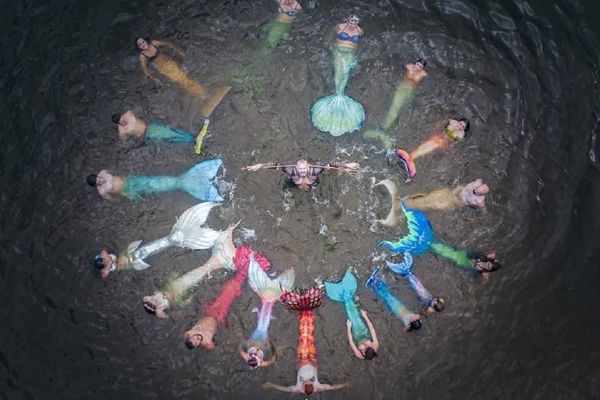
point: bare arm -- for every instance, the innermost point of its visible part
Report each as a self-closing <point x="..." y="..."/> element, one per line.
<point x="322" y="387"/>
<point x="351" y="341"/>
<point x="258" y="166"/>
<point x="269" y="385"/>
<point x="144" y="65"/>
<point x="371" y="329"/>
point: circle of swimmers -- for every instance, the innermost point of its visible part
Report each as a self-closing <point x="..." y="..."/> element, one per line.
<point x="335" y="114"/>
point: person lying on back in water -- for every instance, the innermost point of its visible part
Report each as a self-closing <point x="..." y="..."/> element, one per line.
<point x="303" y="174"/>
<point x="128" y="125"/>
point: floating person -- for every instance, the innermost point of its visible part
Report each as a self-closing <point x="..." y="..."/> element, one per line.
<point x="339" y="113"/>
<point x="254" y="349"/>
<point x="415" y="73"/>
<point x="307" y="380"/>
<point x="361" y="333"/>
<point x="199" y="182"/>
<point x="303" y="174"/>
<point x="149" y="54"/>
<point x="429" y="303"/>
<point x="130" y="126"/>
<point x="188" y="232"/>
<point x="215" y="315"/>
<point x="455" y="131"/>
<point x="410" y="320"/>
<point x="448" y="198"/>
<point x="177" y="292"/>
<point x="421" y="239"/>
<point x="279" y="29"/>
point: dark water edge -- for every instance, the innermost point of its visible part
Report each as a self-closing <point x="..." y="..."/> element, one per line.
<point x="531" y="334"/>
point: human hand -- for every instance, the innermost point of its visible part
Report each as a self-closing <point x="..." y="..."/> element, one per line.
<point x="254" y="167"/>
<point x="363" y="313"/>
<point x="352" y="165"/>
<point x="348" y="323"/>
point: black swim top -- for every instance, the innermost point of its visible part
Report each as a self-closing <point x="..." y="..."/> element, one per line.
<point x="345" y="36"/>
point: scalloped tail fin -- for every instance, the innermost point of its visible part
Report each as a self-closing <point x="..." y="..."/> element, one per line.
<point x="269" y="289"/>
<point x="198" y="181"/>
<point x="344" y="290"/>
<point x="407" y="162"/>
<point x="404" y="268"/>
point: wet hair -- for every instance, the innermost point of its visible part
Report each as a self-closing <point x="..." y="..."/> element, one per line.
<point x="147" y="39"/>
<point x="98" y="261"/>
<point x="438" y="304"/>
<point x="91" y="180"/>
<point x="189" y="344"/>
<point x="415" y="325"/>
<point x="309" y="388"/>
<point x="253" y="362"/>
<point x="422" y="61"/>
<point x="149" y="308"/>
<point x="467" y="124"/>
<point x="369" y="353"/>
<point x="116" y="118"/>
<point x="483" y="258"/>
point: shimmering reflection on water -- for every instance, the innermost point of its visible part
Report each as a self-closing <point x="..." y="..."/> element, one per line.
<point x="524" y="72"/>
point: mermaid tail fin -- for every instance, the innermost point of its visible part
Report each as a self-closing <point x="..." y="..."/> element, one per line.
<point x="198" y="180"/>
<point x="344" y="290"/>
<point x="374" y="278"/>
<point x="269" y="289"/>
<point x="387" y="141"/>
<point x="407" y="162"/>
<point x="188" y="231"/>
<point x="420" y="234"/>
<point x="392" y="219"/>
<point x="337" y="114"/>
<point x="138" y="264"/>
<point x="404" y="268"/>
<point x="303" y="300"/>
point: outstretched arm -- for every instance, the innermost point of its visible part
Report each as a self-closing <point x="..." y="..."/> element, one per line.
<point x="295" y="388"/>
<point x="258" y="166"/>
<point x="355" y="350"/>
<point x="371" y="328"/>
<point x="322" y="387"/>
<point x="144" y="65"/>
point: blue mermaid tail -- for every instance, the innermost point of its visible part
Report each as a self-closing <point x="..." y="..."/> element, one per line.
<point x="339" y="113"/>
<point x="420" y="234"/>
<point x="404" y="269"/>
<point x="344" y="292"/>
<point x="158" y="132"/>
<point x="198" y="182"/>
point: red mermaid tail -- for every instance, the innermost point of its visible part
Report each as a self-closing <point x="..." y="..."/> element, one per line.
<point x="232" y="289"/>
<point x="307" y="300"/>
<point x="407" y="162"/>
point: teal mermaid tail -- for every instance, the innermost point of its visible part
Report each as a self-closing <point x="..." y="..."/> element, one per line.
<point x="198" y="182"/>
<point x="339" y="113"/>
<point x="266" y="288"/>
<point x="158" y="132"/>
<point x="420" y="234"/>
<point x="344" y="292"/>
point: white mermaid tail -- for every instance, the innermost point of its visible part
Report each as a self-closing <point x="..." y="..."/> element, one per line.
<point x="187" y="232"/>
<point x="269" y="289"/>
<point x="394" y="217"/>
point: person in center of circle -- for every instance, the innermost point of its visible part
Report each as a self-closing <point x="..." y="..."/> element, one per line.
<point x="303" y="174"/>
<point x="130" y="126"/>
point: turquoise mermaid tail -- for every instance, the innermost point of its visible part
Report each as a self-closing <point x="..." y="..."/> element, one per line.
<point x="404" y="269"/>
<point x="158" y="132"/>
<point x="339" y="113"/>
<point x="344" y="292"/>
<point x="420" y="234"/>
<point x="410" y="320"/>
<point x="188" y="232"/>
<point x="198" y="182"/>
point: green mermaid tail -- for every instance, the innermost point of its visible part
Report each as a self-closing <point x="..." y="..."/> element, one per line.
<point x="158" y="132"/>
<point x="198" y="182"/>
<point x="344" y="291"/>
<point x="338" y="114"/>
<point x="277" y="31"/>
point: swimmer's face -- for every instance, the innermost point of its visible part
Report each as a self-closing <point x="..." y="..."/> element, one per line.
<point x="486" y="264"/>
<point x="353" y="20"/>
<point x="419" y="66"/>
<point x="302" y="168"/>
<point x="197" y="338"/>
<point x="457" y="125"/>
<point x="109" y="263"/>
<point x="141" y="43"/>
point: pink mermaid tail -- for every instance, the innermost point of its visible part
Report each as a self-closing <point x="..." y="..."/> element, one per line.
<point x="232" y="289"/>
<point x="407" y="162"/>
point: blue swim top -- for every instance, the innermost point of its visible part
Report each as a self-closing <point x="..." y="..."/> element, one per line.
<point x="345" y="36"/>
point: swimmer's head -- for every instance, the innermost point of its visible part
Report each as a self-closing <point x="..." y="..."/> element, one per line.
<point x="156" y="304"/>
<point x="99" y="261"/>
<point x="193" y="341"/>
<point x="483" y="263"/>
<point x="195" y="338"/>
<point x="91" y="180"/>
<point x="116" y="118"/>
<point x="255" y="357"/>
<point x="369" y="353"/>
<point x="414" y="325"/>
<point x="141" y="43"/>
<point x="302" y="167"/>
<point x="420" y="63"/>
<point x="309" y="388"/>
<point x="353" y="20"/>
<point x="105" y="262"/>
<point x="465" y="124"/>
<point x="437" y="303"/>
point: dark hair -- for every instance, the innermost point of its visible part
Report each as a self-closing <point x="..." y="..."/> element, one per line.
<point x="253" y="362"/>
<point x="309" y="388"/>
<point x="369" y="353"/>
<point x="483" y="258"/>
<point x="415" y="325"/>
<point x="438" y="304"/>
<point x="98" y="261"/>
<point x="467" y="124"/>
<point x="116" y="118"/>
<point x="422" y="61"/>
<point x="91" y="180"/>
<point x="147" y="39"/>
<point x="189" y="344"/>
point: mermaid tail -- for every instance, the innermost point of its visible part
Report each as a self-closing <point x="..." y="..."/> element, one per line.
<point x="392" y="219"/>
<point x="387" y="141"/>
<point x="404" y="269"/>
<point x="197" y="182"/>
<point x="277" y="31"/>
<point x="394" y="304"/>
<point x="158" y="132"/>
<point x="187" y="233"/>
<point x="402" y="94"/>
<point x="459" y="257"/>
<point x="339" y="113"/>
<point x="344" y="291"/>
<point x="407" y="162"/>
<point x="420" y="234"/>
<point x="232" y="289"/>
<point x="266" y="288"/>
<point x="169" y="68"/>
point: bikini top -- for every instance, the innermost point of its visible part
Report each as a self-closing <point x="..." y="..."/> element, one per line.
<point x="154" y="56"/>
<point x="292" y="13"/>
<point x="345" y="36"/>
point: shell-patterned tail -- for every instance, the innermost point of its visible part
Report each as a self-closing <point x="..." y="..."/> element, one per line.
<point x="269" y="289"/>
<point x="337" y="114"/>
<point x="303" y="300"/>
